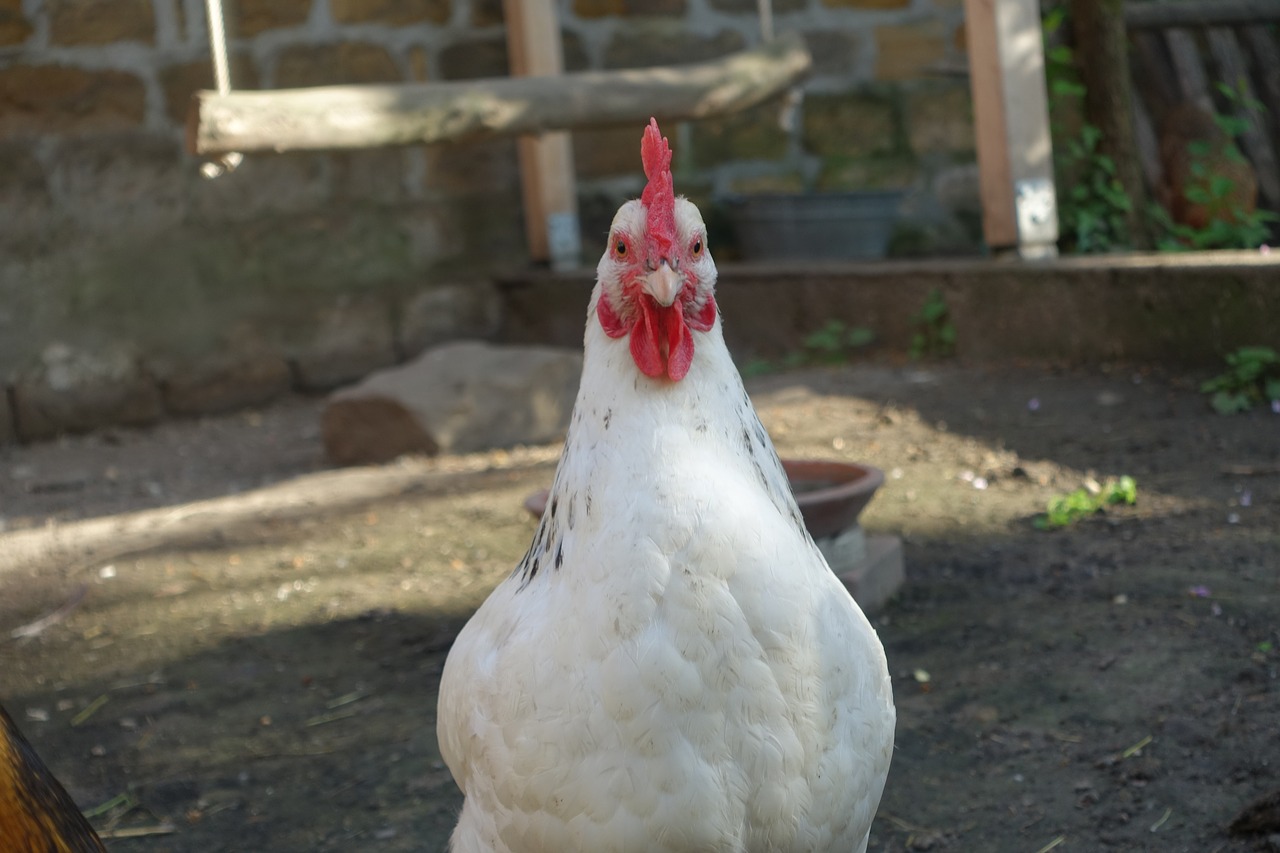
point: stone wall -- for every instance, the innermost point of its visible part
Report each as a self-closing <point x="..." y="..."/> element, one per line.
<point x="131" y="287"/>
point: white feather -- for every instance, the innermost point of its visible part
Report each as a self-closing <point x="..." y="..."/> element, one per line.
<point x="672" y="667"/>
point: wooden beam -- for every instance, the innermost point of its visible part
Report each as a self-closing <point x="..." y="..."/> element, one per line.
<point x="337" y="117"/>
<point x="1200" y="13"/>
<point x="999" y="227"/>
<point x="546" y="160"/>
<point x="1011" y="125"/>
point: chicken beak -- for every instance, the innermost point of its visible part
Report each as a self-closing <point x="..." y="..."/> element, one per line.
<point x="663" y="284"/>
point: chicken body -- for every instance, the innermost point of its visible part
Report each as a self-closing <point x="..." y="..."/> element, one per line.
<point x="672" y="666"/>
<point x="36" y="813"/>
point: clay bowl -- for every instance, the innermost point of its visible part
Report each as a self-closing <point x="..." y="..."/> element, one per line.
<point x="831" y="495"/>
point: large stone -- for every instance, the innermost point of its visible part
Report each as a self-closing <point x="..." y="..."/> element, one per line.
<point x="940" y="119"/>
<point x="835" y="51"/>
<point x="853" y="124"/>
<point x="908" y="51"/>
<point x="254" y="16"/>
<point x="76" y="390"/>
<point x="752" y="134"/>
<point x="51" y="99"/>
<point x="348" y="62"/>
<point x="246" y="374"/>
<point x="26" y="204"/>
<point x="474" y="58"/>
<point x="14" y="26"/>
<point x="131" y="182"/>
<point x="394" y="12"/>
<point x="627" y="8"/>
<point x="457" y="398"/>
<point x="668" y="43"/>
<point x="76" y="22"/>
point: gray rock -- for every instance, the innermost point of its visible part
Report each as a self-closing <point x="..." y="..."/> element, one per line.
<point x="73" y="390"/>
<point x="457" y="398"/>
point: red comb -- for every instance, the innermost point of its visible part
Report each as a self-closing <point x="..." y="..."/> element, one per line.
<point x="659" y="196"/>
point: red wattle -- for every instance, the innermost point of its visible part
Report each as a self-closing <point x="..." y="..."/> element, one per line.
<point x="645" y="349"/>
<point x="679" y="343"/>
<point x="609" y="319"/>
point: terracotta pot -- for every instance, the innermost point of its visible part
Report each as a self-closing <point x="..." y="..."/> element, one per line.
<point x="831" y="495"/>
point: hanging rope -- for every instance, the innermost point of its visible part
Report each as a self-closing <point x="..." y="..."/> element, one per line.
<point x="766" y="19"/>
<point x="222" y="80"/>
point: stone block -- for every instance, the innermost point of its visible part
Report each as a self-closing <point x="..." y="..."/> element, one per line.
<point x="124" y="182"/>
<point x="73" y="390"/>
<point x="469" y="168"/>
<point x="238" y="378"/>
<point x="834" y="51"/>
<point x="851" y="124"/>
<point x="78" y="22"/>
<point x="344" y="343"/>
<point x="14" y="26"/>
<point x="940" y="119"/>
<point x="606" y="152"/>
<point x="881" y="171"/>
<point x="752" y="7"/>
<point x="335" y="64"/>
<point x="876" y="575"/>
<point x="458" y="398"/>
<point x="394" y="12"/>
<point x="907" y="51"/>
<point x="662" y="43"/>
<point x="55" y="99"/>
<point x="474" y="58"/>
<point x="282" y="183"/>
<point x="448" y="312"/>
<point x="255" y="16"/>
<point x="26" y="205"/>
<point x="751" y="134"/>
<point x="628" y="8"/>
<point x="372" y="175"/>
<point x="183" y="80"/>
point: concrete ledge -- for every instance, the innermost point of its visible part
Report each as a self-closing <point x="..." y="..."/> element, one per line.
<point x="1174" y="309"/>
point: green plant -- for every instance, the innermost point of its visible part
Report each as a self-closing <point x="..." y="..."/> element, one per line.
<point x="1229" y="225"/>
<point x="1092" y="205"/>
<point x="1064" y="510"/>
<point x="834" y="343"/>
<point x="935" y="336"/>
<point x="1252" y="376"/>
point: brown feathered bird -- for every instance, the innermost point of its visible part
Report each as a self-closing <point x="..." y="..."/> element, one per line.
<point x="36" y="812"/>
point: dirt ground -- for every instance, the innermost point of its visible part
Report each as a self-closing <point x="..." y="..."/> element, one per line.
<point x="257" y="671"/>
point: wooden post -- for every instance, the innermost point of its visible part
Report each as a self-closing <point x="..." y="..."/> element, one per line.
<point x="546" y="161"/>
<point x="1011" y="120"/>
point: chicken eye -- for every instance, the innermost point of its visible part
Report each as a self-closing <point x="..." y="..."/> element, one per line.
<point x="696" y="248"/>
<point x="620" y="248"/>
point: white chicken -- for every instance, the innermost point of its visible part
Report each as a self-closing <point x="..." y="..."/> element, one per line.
<point x="671" y="666"/>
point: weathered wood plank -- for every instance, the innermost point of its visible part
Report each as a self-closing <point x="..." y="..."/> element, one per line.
<point x="546" y="160"/>
<point x="337" y="117"/>
<point x="1256" y="140"/>
<point x="999" y="225"/>
<point x="1200" y="13"/>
